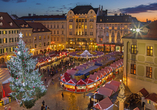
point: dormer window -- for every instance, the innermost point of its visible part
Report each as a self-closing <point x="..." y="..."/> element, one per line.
<point x="22" y="25"/>
<point x="11" y="23"/>
<point x="1" y="23"/>
<point x="34" y="29"/>
<point x="42" y="29"/>
<point x="26" y="25"/>
<point x="38" y="29"/>
<point x="1" y="17"/>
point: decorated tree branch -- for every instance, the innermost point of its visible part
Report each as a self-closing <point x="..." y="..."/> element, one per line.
<point x="25" y="79"/>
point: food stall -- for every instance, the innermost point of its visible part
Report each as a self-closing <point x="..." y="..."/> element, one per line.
<point x="71" y="85"/>
<point x="90" y="84"/>
<point x="81" y="86"/>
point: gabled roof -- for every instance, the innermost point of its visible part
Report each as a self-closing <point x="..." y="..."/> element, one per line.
<point x="81" y="82"/>
<point x="144" y="92"/>
<point x="7" y="22"/>
<point x="152" y="97"/>
<point x="117" y="83"/>
<point x="112" y="87"/>
<point x="105" y="91"/>
<point x="83" y="9"/>
<point x="103" y="104"/>
<point x="22" y="24"/>
<point x="38" y="27"/>
<point x="88" y="80"/>
<point x="72" y="81"/>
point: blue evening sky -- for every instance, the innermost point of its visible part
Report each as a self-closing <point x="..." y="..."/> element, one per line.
<point x="141" y="9"/>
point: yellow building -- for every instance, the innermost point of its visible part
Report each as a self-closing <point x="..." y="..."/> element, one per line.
<point x="9" y="37"/>
<point x="140" y="59"/>
<point x="56" y="24"/>
<point x="81" y="28"/>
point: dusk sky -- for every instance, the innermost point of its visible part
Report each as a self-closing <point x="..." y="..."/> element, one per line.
<point x="141" y="9"/>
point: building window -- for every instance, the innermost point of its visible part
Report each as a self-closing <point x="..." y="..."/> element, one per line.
<point x="85" y="20"/>
<point x="35" y="45"/>
<point x="85" y="33"/>
<point x="44" y="37"/>
<point x="54" y="38"/>
<point x="91" y="20"/>
<point x="133" y="69"/>
<point x="70" y="27"/>
<point x="17" y="39"/>
<point x="48" y="37"/>
<point x="29" y="34"/>
<point x="35" y="38"/>
<point x="62" y="39"/>
<point x="91" y="26"/>
<point x="70" y="20"/>
<point x="85" y="26"/>
<point x="133" y="49"/>
<point x="39" y="44"/>
<point x="62" y="26"/>
<point x="10" y="40"/>
<point x="70" y="33"/>
<point x="100" y="20"/>
<point x="91" y="33"/>
<point x="54" y="32"/>
<point x="62" y="32"/>
<point x="57" y="38"/>
<point x="39" y="37"/>
<point x="0" y="41"/>
<point x="57" y="26"/>
<point x="57" y="32"/>
<point x="149" y="72"/>
<point x="149" y="51"/>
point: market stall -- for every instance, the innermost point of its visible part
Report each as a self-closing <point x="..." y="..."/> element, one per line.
<point x="90" y="84"/>
<point x="71" y="85"/>
<point x="106" y="92"/>
<point x="81" y="86"/>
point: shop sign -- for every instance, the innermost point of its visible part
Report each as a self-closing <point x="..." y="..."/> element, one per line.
<point x="100" y="44"/>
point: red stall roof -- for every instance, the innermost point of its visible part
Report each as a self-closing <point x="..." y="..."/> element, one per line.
<point x="88" y="81"/>
<point x="144" y="92"/>
<point x="65" y="79"/>
<point x="81" y="82"/>
<point x="103" y="104"/>
<point x="152" y="97"/>
<point x="112" y="87"/>
<point x="117" y="83"/>
<point x="105" y="91"/>
<point x="72" y="81"/>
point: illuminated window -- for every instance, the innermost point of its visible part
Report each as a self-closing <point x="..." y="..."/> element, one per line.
<point x="35" y="38"/>
<point x="133" y="69"/>
<point x="39" y="37"/>
<point x="70" y="27"/>
<point x="91" y="26"/>
<point x="149" y="72"/>
<point x="26" y="34"/>
<point x="29" y="34"/>
<point x="39" y="44"/>
<point x="149" y="51"/>
<point x="44" y="37"/>
<point x="85" y="26"/>
<point x="100" y="20"/>
<point x="4" y="40"/>
<point x="35" y="46"/>
<point x="133" y="49"/>
<point x="148" y="101"/>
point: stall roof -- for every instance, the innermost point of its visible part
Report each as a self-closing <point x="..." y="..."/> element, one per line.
<point x="81" y="82"/>
<point x="105" y="91"/>
<point x="152" y="97"/>
<point x="88" y="80"/>
<point x="88" y="70"/>
<point x="144" y="92"/>
<point x="94" y="77"/>
<point x="97" y="96"/>
<point x="112" y="87"/>
<point x="117" y="83"/>
<point x="72" y="81"/>
<point x="103" y="104"/>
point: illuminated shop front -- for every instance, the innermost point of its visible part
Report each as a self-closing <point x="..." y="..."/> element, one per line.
<point x="110" y="47"/>
<point x="100" y="47"/>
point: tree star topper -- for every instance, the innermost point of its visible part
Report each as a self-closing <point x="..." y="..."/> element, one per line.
<point x="20" y="35"/>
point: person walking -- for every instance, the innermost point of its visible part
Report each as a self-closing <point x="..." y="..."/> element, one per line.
<point x="62" y="96"/>
<point x="45" y="79"/>
<point x="46" y="107"/>
<point x="43" y="102"/>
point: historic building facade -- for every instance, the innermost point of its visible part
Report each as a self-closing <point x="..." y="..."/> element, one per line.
<point x="140" y="59"/>
<point x="110" y="30"/>
<point x="57" y="24"/>
<point x="81" y="28"/>
<point x="9" y="37"/>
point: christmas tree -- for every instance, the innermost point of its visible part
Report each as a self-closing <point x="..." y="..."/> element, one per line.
<point x="25" y="79"/>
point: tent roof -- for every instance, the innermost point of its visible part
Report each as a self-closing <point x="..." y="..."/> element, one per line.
<point x="86" y="53"/>
<point x="105" y="91"/>
<point x="88" y="80"/>
<point x="4" y="75"/>
<point x="144" y="92"/>
<point x="152" y="97"/>
<point x="72" y="81"/>
<point x="117" y="83"/>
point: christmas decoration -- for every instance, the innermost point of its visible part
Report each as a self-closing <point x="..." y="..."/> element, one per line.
<point x="25" y="78"/>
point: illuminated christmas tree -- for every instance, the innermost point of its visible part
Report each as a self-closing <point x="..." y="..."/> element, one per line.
<point x="26" y="84"/>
